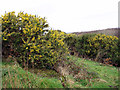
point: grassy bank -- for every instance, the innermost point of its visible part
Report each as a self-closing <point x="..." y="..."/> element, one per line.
<point x="98" y="76"/>
<point x="107" y="75"/>
<point x="14" y="76"/>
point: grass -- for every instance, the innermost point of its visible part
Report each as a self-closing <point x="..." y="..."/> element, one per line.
<point x="96" y="75"/>
<point x="108" y="75"/>
<point x="45" y="73"/>
<point x="16" y="77"/>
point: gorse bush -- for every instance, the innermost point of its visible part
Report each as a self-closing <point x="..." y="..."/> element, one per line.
<point x="24" y="37"/>
<point x="70" y="39"/>
<point x="82" y="44"/>
<point x="95" y="46"/>
<point x="103" y="46"/>
<point x="78" y="42"/>
<point x="17" y="28"/>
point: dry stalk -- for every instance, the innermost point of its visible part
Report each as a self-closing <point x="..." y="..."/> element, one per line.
<point x="5" y="85"/>
<point x="21" y="84"/>
<point x="15" y="80"/>
<point x="10" y="78"/>
<point x="24" y="80"/>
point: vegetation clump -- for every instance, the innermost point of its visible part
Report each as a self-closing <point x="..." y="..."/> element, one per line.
<point x="99" y="47"/>
<point x="24" y="37"/>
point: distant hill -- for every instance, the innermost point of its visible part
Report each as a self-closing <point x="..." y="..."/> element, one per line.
<point x="109" y="31"/>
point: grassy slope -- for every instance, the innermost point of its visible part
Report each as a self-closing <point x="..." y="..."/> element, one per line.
<point x="108" y="74"/>
<point x="15" y="76"/>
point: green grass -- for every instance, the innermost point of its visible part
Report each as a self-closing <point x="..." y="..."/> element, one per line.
<point x="14" y="76"/>
<point x="45" y="73"/>
<point x="100" y="76"/>
<point x="108" y="75"/>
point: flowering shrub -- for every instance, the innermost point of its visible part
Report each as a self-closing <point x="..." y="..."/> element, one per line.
<point x="78" y="42"/>
<point x="82" y="45"/>
<point x="70" y="39"/>
<point x="24" y="34"/>
<point x="103" y="46"/>
<point x="96" y="46"/>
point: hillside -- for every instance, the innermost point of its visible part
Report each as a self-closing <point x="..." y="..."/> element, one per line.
<point x="109" y="31"/>
<point x="79" y="73"/>
<point x="34" y="57"/>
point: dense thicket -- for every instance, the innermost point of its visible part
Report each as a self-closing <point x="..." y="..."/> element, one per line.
<point x="26" y="37"/>
<point x="100" y="47"/>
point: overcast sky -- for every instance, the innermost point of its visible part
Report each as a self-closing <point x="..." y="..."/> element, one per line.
<point x="69" y="15"/>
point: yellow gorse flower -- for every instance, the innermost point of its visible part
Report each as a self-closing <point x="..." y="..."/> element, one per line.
<point x="26" y="47"/>
<point x="40" y="56"/>
<point x="4" y="38"/>
<point x="33" y="38"/>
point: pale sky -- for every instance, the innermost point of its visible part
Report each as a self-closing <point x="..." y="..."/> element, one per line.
<point x="69" y="15"/>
